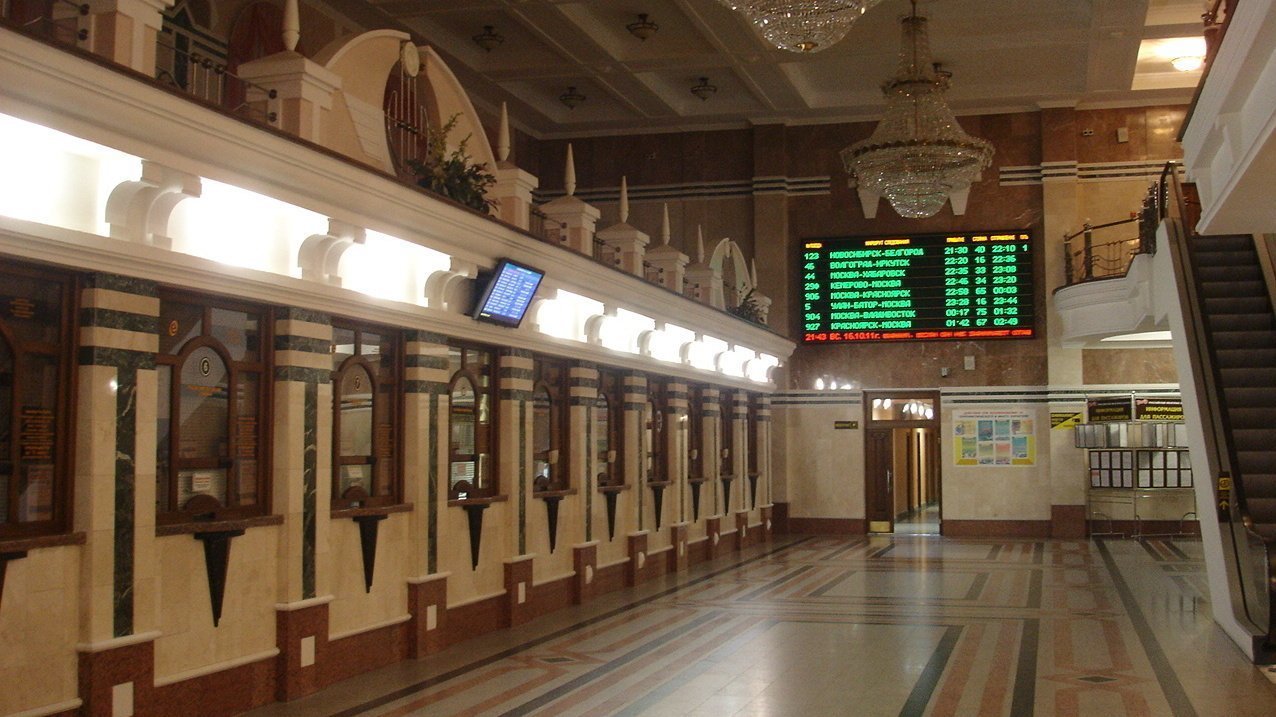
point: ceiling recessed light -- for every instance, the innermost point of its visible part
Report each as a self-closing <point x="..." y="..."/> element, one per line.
<point x="1188" y="63"/>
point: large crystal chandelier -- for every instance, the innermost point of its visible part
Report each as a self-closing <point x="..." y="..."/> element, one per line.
<point x="918" y="155"/>
<point x="801" y="25"/>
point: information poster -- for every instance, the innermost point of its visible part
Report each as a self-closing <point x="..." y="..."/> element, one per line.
<point x="899" y="288"/>
<point x="1108" y="410"/>
<point x="1158" y="409"/>
<point x="994" y="438"/>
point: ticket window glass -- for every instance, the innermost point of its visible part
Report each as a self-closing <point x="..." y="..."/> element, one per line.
<point x="606" y="419"/>
<point x="35" y="349"/>
<point x="549" y="427"/>
<point x="211" y="372"/>
<point x="472" y="424"/>
<point x="367" y="368"/>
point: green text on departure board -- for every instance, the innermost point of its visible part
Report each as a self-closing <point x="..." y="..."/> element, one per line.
<point x="938" y="286"/>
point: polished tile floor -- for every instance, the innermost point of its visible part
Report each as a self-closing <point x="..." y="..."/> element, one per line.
<point x="887" y="626"/>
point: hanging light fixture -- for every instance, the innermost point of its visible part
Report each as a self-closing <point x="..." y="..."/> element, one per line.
<point x="489" y="38"/>
<point x="571" y="98"/>
<point x="918" y="156"/>
<point x="703" y="90"/>
<point x="642" y="29"/>
<point x="801" y="25"/>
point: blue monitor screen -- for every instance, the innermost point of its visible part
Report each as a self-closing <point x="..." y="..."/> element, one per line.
<point x="508" y="294"/>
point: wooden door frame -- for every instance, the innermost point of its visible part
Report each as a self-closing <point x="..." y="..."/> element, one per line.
<point x="933" y="424"/>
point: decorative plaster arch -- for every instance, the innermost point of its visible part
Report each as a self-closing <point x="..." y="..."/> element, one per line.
<point x="728" y="251"/>
<point x="450" y="99"/>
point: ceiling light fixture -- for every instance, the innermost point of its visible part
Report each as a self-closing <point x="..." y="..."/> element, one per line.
<point x="489" y="39"/>
<point x="1188" y="63"/>
<point x="642" y="29"/>
<point x="801" y="25"/>
<point x="571" y="98"/>
<point x="918" y="155"/>
<point x="704" y="90"/>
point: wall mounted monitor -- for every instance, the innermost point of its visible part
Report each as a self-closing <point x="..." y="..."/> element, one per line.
<point x="508" y="293"/>
<point x="958" y="286"/>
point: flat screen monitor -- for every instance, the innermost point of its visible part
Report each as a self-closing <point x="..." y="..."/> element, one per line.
<point x="958" y="286"/>
<point x="508" y="293"/>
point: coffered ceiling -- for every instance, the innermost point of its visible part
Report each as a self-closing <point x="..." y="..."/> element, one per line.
<point x="1005" y="55"/>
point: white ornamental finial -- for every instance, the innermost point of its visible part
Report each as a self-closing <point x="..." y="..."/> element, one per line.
<point x="664" y="227"/>
<point x="753" y="273"/>
<point x="503" y="136"/>
<point x="569" y="174"/>
<point x="292" y="25"/>
<point x="624" y="200"/>
<point x="699" y="244"/>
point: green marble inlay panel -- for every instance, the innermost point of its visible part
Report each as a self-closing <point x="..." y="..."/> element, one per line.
<point x="425" y="361"/>
<point x="115" y="358"/>
<point x="124" y="320"/>
<point x="310" y="486"/>
<point x="123" y="284"/>
<point x="301" y="374"/>
<point x="432" y="489"/>
<point x="306" y="315"/>
<point x="304" y="344"/>
<point x="522" y="476"/>
<point x="125" y="495"/>
<point x="514" y="394"/>
<point x="425" y="337"/>
<point x="512" y="372"/>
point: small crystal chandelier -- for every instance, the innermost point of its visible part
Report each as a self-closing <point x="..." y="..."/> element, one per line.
<point x="918" y="156"/>
<point x="801" y="25"/>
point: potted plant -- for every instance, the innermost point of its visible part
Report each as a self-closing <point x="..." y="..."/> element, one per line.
<point x="453" y="175"/>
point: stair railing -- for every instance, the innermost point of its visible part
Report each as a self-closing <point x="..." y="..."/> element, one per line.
<point x="1253" y="567"/>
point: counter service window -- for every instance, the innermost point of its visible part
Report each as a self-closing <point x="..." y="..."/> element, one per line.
<point x="606" y="418"/>
<point x="472" y="430"/>
<point x="549" y="427"/>
<point x="367" y="370"/>
<point x="695" y="432"/>
<point x="212" y="413"/>
<point x="654" y="425"/>
<point x="35" y="346"/>
<point x="726" y="434"/>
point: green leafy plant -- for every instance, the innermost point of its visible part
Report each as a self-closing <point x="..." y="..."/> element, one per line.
<point x="454" y="175"/>
<point x="748" y="309"/>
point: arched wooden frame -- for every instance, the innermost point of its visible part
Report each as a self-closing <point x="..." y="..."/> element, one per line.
<point x="610" y="400"/>
<point x="246" y="437"/>
<point x="485" y="482"/>
<point x="54" y="430"/>
<point x="551" y="470"/>
<point x="383" y="457"/>
<point x="655" y="424"/>
<point x="726" y="433"/>
<point x="695" y="432"/>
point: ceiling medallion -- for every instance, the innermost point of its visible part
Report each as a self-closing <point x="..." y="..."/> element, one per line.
<point x="571" y="98"/>
<point x="489" y="39"/>
<point x="642" y="29"/>
<point x="704" y="90"/>
<point x="918" y="155"/>
<point x="801" y="25"/>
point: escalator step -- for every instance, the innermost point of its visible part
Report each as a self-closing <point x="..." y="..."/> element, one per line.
<point x="1245" y="358"/>
<point x="1243" y="340"/>
<point x="1241" y="322"/>
<point x="1248" y="377"/>
<point x="1223" y="257"/>
<point x="1260" y="486"/>
<point x="1230" y="273"/>
<point x="1254" y="463"/>
<point x="1249" y="397"/>
<point x="1254" y="439"/>
<point x="1237" y="305"/>
<point x="1241" y="288"/>
<point x="1222" y="242"/>
<point x="1251" y="417"/>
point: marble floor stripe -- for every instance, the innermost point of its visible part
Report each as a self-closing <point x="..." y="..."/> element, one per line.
<point x="884" y="626"/>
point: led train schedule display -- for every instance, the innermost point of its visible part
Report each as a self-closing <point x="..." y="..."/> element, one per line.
<point x="939" y="286"/>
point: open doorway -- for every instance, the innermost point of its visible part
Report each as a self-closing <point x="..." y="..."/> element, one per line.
<point x="902" y="478"/>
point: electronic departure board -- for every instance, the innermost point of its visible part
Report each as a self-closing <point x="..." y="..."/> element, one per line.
<point x="508" y="294"/>
<point x="936" y="286"/>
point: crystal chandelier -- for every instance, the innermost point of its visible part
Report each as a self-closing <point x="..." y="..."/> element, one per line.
<point x="918" y="156"/>
<point x="801" y="25"/>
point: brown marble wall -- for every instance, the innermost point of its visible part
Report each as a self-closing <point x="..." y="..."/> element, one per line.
<point x="1152" y="133"/>
<point x="1124" y="366"/>
<point x="674" y="158"/>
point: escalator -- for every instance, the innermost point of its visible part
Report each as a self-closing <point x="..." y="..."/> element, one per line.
<point x="1230" y="331"/>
